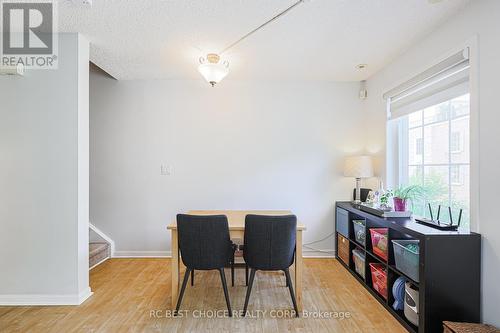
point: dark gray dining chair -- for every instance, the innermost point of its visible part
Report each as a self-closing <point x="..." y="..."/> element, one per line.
<point x="204" y="244"/>
<point x="270" y="246"/>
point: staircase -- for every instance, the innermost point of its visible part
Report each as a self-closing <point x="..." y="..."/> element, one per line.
<point x="101" y="247"/>
<point x="98" y="253"/>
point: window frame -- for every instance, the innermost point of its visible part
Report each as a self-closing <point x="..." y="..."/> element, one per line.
<point x="459" y="181"/>
<point x="459" y="147"/>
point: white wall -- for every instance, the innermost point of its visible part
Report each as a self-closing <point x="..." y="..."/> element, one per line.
<point x="259" y="145"/>
<point x="83" y="166"/>
<point x="481" y="19"/>
<point x="43" y="187"/>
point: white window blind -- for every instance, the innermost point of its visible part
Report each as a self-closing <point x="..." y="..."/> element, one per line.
<point x="443" y="81"/>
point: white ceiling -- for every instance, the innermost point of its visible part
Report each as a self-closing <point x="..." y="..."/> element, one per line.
<point x="319" y="40"/>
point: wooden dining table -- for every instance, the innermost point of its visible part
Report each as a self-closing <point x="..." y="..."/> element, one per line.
<point x="236" y="222"/>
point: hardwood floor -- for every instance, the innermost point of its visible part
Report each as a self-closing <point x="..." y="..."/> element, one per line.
<point x="132" y="295"/>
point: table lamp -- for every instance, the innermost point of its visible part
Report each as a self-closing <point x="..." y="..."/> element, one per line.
<point x="358" y="167"/>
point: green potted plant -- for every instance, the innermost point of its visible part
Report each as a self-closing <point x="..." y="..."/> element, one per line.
<point x="404" y="194"/>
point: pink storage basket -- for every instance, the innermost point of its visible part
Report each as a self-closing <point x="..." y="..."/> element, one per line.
<point x="379" y="278"/>
<point x="380" y="241"/>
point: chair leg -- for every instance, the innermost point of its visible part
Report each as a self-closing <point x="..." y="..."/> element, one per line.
<point x="232" y="271"/>
<point x="246" y="275"/>
<point x="249" y="290"/>
<point x="192" y="278"/>
<point x="184" y="282"/>
<point x="226" y="293"/>
<point x="292" y="294"/>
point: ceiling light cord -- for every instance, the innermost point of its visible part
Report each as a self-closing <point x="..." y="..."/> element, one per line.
<point x="263" y="25"/>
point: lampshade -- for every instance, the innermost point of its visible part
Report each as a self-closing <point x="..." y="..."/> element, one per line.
<point x="358" y="167"/>
<point x="212" y="69"/>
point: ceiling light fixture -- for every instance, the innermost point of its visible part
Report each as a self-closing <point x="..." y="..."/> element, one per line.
<point x="211" y="67"/>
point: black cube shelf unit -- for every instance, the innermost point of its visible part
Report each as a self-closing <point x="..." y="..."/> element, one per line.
<point x="449" y="267"/>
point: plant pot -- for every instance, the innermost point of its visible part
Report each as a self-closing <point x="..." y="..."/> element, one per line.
<point x="399" y="205"/>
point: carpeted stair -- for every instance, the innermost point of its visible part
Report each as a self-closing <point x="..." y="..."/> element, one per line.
<point x="98" y="252"/>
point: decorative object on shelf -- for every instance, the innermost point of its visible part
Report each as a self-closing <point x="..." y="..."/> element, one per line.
<point x="402" y="195"/>
<point x="398" y="291"/>
<point x="411" y="303"/>
<point x="438" y="224"/>
<point x="380" y="196"/>
<point x="383" y="211"/>
<point x="213" y="69"/>
<point x="364" y="194"/>
<point x="371" y="197"/>
<point x="358" y="167"/>
<point x="399" y="204"/>
<point x="384" y="200"/>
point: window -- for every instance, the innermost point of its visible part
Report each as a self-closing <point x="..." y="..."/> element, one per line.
<point x="419" y="146"/>
<point x="435" y="156"/>
<point x="455" y="142"/>
<point x="455" y="175"/>
<point x="428" y="136"/>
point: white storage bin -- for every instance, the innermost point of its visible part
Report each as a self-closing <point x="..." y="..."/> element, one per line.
<point x="411" y="303"/>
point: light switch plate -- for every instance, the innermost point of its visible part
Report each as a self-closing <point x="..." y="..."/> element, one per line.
<point x="165" y="170"/>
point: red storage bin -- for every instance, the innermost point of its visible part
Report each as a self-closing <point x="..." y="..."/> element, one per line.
<point x="379" y="278"/>
<point x="379" y="241"/>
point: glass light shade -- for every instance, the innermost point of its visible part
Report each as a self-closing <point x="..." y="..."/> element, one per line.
<point x="358" y="167"/>
<point x="213" y="73"/>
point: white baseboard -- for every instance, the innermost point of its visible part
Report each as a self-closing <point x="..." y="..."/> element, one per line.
<point x="84" y="295"/>
<point x="326" y="253"/>
<point x="323" y="253"/>
<point x="319" y="256"/>
<point x="100" y="262"/>
<point x="142" y="254"/>
<point x="18" y="300"/>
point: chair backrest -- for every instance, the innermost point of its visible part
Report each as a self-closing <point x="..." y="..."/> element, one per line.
<point x="204" y="241"/>
<point x="270" y="241"/>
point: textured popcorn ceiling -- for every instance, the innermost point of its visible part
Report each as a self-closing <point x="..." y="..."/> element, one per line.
<point x="319" y="40"/>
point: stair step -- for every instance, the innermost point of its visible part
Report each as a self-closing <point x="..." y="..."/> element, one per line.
<point x="98" y="251"/>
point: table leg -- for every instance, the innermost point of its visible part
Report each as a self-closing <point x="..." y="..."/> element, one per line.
<point x="175" y="268"/>
<point x="298" y="269"/>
